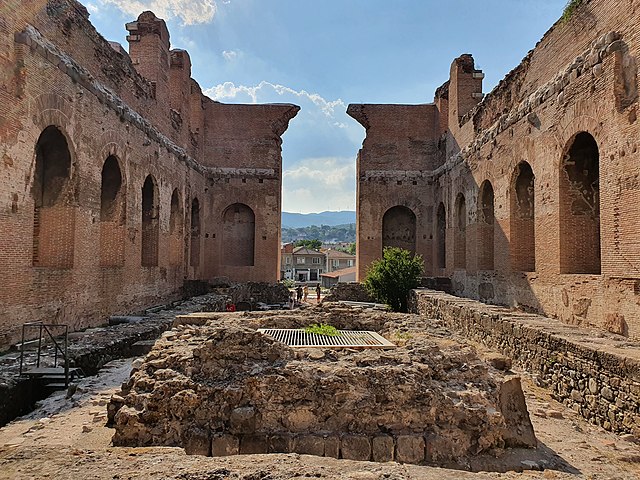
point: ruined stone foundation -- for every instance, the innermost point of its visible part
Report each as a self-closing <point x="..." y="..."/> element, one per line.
<point x="222" y="388"/>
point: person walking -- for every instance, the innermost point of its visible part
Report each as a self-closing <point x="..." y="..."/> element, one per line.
<point x="318" y="293"/>
<point x="299" y="293"/>
<point x="305" y="293"/>
<point x="292" y="300"/>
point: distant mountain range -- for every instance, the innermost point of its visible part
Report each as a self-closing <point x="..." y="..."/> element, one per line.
<point x="298" y="220"/>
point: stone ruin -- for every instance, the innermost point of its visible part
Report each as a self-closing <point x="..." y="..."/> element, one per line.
<point x="216" y="386"/>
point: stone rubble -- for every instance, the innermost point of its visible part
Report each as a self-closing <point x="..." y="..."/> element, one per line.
<point x="218" y="387"/>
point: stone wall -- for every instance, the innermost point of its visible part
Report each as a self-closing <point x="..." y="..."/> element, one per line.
<point x="351" y="291"/>
<point x="260" y="292"/>
<point x="104" y="155"/>
<point x="595" y="373"/>
<point x="216" y="386"/>
<point x="536" y="183"/>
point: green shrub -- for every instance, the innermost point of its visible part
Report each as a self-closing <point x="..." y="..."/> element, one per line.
<point x="322" y="329"/>
<point x="390" y="279"/>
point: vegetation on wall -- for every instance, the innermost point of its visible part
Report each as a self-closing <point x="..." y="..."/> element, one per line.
<point x="570" y="9"/>
<point x="390" y="279"/>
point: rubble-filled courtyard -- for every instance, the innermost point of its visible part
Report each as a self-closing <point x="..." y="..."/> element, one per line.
<point x="215" y="385"/>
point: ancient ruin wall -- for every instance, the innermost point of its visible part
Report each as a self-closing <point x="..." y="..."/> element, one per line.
<point x="98" y="184"/>
<point x="221" y="388"/>
<point x="549" y="155"/>
<point x="394" y="132"/>
<point x="596" y="374"/>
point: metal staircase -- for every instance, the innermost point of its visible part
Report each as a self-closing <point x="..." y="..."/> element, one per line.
<point x="52" y="377"/>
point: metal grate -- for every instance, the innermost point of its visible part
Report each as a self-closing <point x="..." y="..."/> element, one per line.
<point x="296" y="337"/>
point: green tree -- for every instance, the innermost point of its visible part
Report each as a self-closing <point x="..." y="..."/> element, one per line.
<point x="312" y="244"/>
<point x="351" y="249"/>
<point x="390" y="279"/>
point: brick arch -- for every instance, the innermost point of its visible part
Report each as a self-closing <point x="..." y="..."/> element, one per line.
<point x="522" y="218"/>
<point x="485" y="226"/>
<point x="53" y="196"/>
<point x="51" y="109"/>
<point x="196" y="220"/>
<point x="176" y="228"/>
<point x="112" y="213"/>
<point x="399" y="228"/>
<point x="238" y="235"/>
<point x="568" y="128"/>
<point x="579" y="205"/>
<point x="441" y="236"/>
<point x="150" y="222"/>
<point x="460" y="232"/>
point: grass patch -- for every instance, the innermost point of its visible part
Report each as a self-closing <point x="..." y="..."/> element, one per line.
<point x="322" y="329"/>
<point x="570" y="9"/>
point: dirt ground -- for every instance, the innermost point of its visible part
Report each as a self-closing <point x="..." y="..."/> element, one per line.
<point x="67" y="439"/>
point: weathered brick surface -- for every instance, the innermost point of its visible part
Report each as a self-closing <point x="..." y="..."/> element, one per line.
<point x="533" y="216"/>
<point x="71" y="229"/>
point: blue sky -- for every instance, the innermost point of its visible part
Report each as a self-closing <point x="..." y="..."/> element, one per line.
<point x="325" y="54"/>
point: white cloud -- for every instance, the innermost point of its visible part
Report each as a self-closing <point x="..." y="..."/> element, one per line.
<point x="230" y="55"/>
<point x="229" y="91"/>
<point x="92" y="8"/>
<point x="191" y="12"/>
<point x="316" y="184"/>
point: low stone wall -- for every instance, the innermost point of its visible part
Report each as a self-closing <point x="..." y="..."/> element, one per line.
<point x="259" y="292"/>
<point x="352" y="291"/>
<point x="595" y="373"/>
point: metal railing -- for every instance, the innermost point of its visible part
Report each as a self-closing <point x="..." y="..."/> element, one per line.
<point x="45" y="328"/>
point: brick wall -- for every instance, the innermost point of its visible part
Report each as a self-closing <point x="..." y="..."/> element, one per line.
<point x="563" y="236"/>
<point x="76" y="255"/>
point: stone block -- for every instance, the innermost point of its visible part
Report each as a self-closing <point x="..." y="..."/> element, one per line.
<point x="382" y="448"/>
<point x="243" y="420"/>
<point x="355" y="447"/>
<point x="197" y="442"/>
<point x="309" y="445"/>
<point x="332" y="446"/>
<point x="518" y="431"/>
<point x="253" y="444"/>
<point x="410" y="449"/>
<point x="280" y="444"/>
<point x="225" y="445"/>
<point x="498" y="361"/>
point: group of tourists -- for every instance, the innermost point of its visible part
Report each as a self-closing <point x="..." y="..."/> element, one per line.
<point x="300" y="295"/>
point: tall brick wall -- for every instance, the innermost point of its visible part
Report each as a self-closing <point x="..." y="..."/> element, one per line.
<point x="564" y="234"/>
<point x="74" y="253"/>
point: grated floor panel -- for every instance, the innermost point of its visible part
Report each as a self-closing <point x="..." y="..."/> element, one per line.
<point x="297" y="337"/>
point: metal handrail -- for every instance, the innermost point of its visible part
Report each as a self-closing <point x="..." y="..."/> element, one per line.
<point x="57" y="348"/>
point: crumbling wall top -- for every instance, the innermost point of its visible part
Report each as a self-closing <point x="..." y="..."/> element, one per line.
<point x="148" y="24"/>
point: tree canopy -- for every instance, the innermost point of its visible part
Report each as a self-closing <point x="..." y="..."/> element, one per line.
<point x="390" y="278"/>
<point x="314" y="244"/>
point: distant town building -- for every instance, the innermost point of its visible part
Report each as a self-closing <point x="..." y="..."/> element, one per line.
<point x="338" y="260"/>
<point x="286" y="262"/>
<point x="302" y="264"/>
<point x="345" y="275"/>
